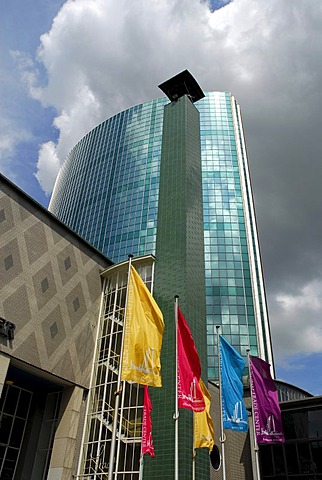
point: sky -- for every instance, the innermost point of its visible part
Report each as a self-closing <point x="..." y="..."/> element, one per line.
<point x="67" y="66"/>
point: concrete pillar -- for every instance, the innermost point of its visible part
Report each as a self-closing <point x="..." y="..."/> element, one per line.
<point x="64" y="447"/>
<point x="179" y="270"/>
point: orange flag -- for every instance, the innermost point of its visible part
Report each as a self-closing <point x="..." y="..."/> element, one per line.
<point x="203" y="424"/>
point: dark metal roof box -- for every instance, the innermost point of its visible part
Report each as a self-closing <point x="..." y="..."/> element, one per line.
<point x="182" y="84"/>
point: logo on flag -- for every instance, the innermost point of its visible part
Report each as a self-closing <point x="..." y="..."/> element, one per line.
<point x="143" y="335"/>
<point x="232" y="366"/>
<point x="267" y="413"/>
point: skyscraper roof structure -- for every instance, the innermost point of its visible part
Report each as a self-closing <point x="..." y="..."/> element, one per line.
<point x="182" y="84"/>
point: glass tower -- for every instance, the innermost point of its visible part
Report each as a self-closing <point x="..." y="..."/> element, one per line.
<point x="107" y="191"/>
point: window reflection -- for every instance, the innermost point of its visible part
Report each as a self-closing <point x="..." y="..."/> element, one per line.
<point x="301" y="456"/>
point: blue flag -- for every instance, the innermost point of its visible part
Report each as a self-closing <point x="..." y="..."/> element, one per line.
<point x="232" y="367"/>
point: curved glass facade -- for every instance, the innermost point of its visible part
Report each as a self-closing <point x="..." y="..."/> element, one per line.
<point x="107" y="191"/>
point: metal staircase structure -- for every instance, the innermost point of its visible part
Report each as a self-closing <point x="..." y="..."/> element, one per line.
<point x="100" y="414"/>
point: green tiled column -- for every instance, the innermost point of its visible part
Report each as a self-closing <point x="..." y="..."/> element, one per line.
<point x="179" y="271"/>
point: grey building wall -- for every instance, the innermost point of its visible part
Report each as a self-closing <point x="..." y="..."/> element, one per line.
<point x="50" y="288"/>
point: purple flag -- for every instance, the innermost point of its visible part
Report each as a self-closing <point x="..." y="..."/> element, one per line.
<point x="267" y="413"/>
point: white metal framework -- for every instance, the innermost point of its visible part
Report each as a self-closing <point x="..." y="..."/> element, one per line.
<point x="96" y="446"/>
<point x="14" y="414"/>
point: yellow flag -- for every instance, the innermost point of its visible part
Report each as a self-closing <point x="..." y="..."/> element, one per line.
<point x="203" y="424"/>
<point x="143" y="335"/>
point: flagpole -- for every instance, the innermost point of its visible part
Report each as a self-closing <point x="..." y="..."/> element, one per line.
<point x="194" y="453"/>
<point x="141" y="467"/>
<point x="118" y="387"/>
<point x="222" y="438"/>
<point x="256" y="448"/>
<point x="176" y="409"/>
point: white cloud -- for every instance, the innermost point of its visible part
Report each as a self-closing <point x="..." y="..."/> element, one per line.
<point x="10" y="136"/>
<point x="48" y="166"/>
<point x="296" y="321"/>
<point x="102" y="56"/>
